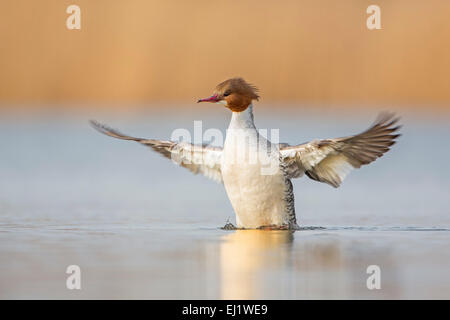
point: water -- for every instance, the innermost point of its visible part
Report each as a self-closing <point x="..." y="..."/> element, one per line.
<point x="139" y="227"/>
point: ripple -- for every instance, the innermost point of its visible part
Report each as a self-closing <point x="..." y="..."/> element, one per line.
<point x="378" y="229"/>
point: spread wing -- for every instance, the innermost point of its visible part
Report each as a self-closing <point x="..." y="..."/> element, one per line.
<point x="331" y="160"/>
<point x="196" y="158"/>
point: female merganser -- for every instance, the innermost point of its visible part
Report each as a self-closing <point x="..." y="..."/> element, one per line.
<point x="260" y="192"/>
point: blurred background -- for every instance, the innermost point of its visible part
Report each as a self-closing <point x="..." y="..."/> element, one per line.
<point x="143" y="51"/>
<point x="140" y="227"/>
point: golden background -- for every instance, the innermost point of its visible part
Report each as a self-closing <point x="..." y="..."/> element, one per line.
<point x="143" y="51"/>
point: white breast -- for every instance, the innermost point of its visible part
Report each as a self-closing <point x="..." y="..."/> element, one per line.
<point x="251" y="174"/>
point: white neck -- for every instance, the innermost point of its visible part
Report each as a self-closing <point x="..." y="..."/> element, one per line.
<point x="244" y="119"/>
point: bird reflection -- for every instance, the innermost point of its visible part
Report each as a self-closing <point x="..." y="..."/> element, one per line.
<point x="256" y="264"/>
<point x="247" y="258"/>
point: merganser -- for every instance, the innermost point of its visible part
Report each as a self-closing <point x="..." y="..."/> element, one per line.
<point x="265" y="200"/>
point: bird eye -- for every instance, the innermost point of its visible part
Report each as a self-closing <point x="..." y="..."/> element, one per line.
<point x="227" y="93"/>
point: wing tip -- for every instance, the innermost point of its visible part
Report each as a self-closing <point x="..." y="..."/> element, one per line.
<point x="386" y="119"/>
<point x="95" y="124"/>
<point x="102" y="128"/>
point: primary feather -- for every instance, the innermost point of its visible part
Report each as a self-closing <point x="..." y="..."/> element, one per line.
<point x="196" y="158"/>
<point x="330" y="160"/>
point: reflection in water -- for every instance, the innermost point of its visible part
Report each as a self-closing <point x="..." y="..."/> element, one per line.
<point x="257" y="264"/>
<point x="247" y="258"/>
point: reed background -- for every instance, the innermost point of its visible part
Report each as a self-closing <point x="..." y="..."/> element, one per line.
<point x="145" y="51"/>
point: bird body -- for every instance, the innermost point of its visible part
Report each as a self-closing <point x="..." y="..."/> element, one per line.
<point x="257" y="173"/>
<point x="255" y="187"/>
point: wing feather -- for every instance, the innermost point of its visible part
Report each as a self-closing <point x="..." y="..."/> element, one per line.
<point x="196" y="158"/>
<point x="331" y="160"/>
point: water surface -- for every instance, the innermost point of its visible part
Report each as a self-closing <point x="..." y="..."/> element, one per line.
<point x="139" y="227"/>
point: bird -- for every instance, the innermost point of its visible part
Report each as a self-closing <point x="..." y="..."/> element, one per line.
<point x="257" y="173"/>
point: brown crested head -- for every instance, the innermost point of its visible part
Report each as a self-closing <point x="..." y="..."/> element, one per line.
<point x="235" y="93"/>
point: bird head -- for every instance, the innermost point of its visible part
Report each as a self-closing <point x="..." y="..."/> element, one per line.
<point x="235" y="93"/>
